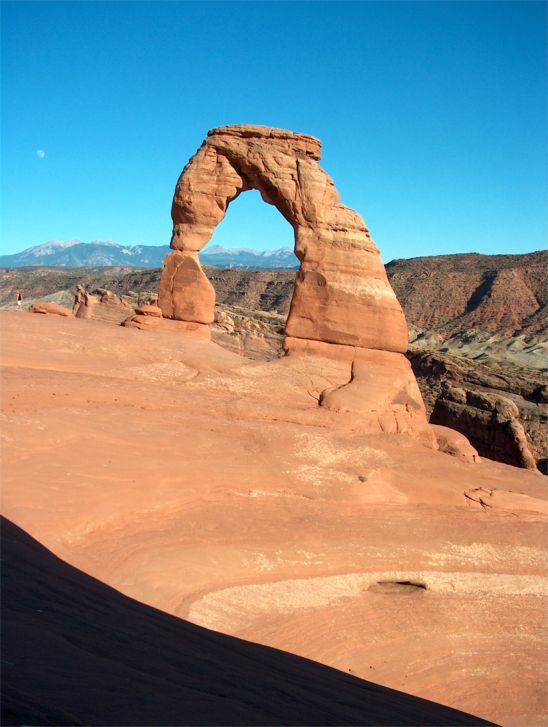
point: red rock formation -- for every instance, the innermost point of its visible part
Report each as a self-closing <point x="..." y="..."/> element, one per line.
<point x="454" y="294"/>
<point x="187" y="328"/>
<point x="514" y="502"/>
<point x="185" y="292"/>
<point x="149" y="310"/>
<point x="454" y="443"/>
<point x="342" y="294"/>
<point x="342" y="306"/>
<point x="49" y="308"/>
<point x="149" y="317"/>
<point x="489" y="432"/>
<point x="490" y="420"/>
<point x="105" y="306"/>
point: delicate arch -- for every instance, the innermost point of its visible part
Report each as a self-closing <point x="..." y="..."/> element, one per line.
<point x="342" y="294"/>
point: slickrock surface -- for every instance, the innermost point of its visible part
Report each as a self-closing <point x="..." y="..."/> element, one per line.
<point x="217" y="490"/>
<point x="118" y="662"/>
<point x="474" y="360"/>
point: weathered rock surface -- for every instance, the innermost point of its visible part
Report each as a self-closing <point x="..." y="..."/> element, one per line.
<point x="103" y="305"/>
<point x="267" y="290"/>
<point x="384" y="391"/>
<point x="153" y="669"/>
<point x="185" y="292"/>
<point x="471" y="359"/>
<point x="254" y="334"/>
<point x="153" y="322"/>
<point x="49" y="309"/>
<point x="342" y="295"/>
<point x="514" y="502"/>
<point x="458" y="293"/>
<point x="454" y="443"/>
<point x="491" y="423"/>
<point x="149" y="310"/>
<point x="497" y="434"/>
<point x="216" y="489"/>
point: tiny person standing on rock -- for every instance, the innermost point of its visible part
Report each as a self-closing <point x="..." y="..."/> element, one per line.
<point x="19" y="299"/>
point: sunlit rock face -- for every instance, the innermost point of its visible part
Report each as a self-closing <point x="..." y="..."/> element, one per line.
<point x="342" y="294"/>
<point x="343" y="306"/>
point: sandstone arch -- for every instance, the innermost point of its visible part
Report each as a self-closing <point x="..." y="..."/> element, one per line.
<point x="342" y="295"/>
<point x="342" y="307"/>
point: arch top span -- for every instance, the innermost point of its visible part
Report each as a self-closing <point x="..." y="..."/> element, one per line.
<point x="300" y="143"/>
<point x="342" y="295"/>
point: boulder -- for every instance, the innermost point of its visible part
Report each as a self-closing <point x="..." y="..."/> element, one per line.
<point x="454" y="443"/>
<point x="149" y="310"/>
<point x="185" y="292"/>
<point x="50" y="309"/>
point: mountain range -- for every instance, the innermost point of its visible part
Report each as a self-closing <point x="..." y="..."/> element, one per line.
<point x="99" y="253"/>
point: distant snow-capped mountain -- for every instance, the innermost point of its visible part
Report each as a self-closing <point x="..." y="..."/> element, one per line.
<point x="75" y="254"/>
<point x="52" y="247"/>
<point x="246" y="257"/>
<point x="103" y="253"/>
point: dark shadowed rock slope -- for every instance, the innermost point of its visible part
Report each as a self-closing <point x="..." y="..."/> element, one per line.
<point x="75" y="652"/>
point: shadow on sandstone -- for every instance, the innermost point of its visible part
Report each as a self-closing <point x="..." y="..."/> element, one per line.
<point x="77" y="652"/>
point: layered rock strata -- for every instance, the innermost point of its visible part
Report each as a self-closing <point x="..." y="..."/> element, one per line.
<point x="149" y="317"/>
<point x="47" y="308"/>
<point x="103" y="305"/>
<point x="342" y="295"/>
<point x="495" y="405"/>
<point x="490" y="421"/>
<point x="342" y="305"/>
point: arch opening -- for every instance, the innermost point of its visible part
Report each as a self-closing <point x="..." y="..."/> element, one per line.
<point x="250" y="262"/>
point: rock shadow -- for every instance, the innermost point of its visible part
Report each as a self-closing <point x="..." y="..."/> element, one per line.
<point x="75" y="651"/>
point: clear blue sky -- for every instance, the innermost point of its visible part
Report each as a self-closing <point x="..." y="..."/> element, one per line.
<point x="432" y="116"/>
